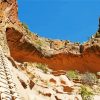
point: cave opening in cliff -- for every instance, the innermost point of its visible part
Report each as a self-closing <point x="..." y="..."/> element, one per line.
<point x="26" y="52"/>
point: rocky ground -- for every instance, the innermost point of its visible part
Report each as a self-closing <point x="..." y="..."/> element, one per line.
<point x="40" y="83"/>
<point x="37" y="68"/>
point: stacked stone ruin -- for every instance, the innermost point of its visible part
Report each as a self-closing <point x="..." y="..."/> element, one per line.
<point x="7" y="85"/>
<point x="8" y="90"/>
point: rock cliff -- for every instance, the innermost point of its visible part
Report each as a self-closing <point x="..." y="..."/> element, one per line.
<point x="26" y="46"/>
<point x="37" y="68"/>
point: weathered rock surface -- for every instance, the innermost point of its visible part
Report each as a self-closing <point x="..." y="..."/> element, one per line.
<point x="69" y="57"/>
<point x="35" y="81"/>
<point x="57" y="54"/>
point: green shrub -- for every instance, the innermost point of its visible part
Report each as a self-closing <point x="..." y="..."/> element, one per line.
<point x="97" y="35"/>
<point x="40" y="43"/>
<point x="25" y="26"/>
<point x="27" y="29"/>
<point x="89" y="78"/>
<point x="86" y="93"/>
<point x="66" y="42"/>
<point x="77" y="43"/>
<point x="72" y="74"/>
<point x="43" y="67"/>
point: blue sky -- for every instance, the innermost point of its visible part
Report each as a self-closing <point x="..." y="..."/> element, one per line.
<point x="74" y="20"/>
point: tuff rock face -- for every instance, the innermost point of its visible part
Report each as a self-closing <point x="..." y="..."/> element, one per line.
<point x="38" y="65"/>
<point x="12" y="15"/>
<point x="25" y="46"/>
